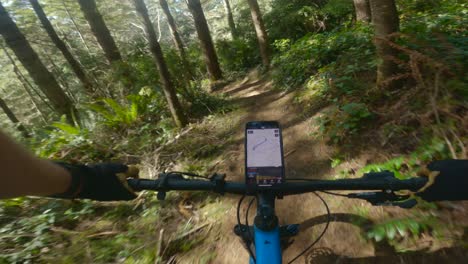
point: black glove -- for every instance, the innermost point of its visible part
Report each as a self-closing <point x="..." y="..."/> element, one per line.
<point x="101" y="182"/>
<point x="451" y="184"/>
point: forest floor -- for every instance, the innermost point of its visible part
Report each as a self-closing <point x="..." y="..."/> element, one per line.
<point x="306" y="156"/>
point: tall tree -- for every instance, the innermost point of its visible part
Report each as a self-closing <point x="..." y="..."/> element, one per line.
<point x="230" y="19"/>
<point x="206" y="43"/>
<point x="167" y="84"/>
<point x="362" y="9"/>
<point x="75" y="65"/>
<point x="177" y="39"/>
<point x="39" y="73"/>
<point x="20" y="127"/>
<point x="262" y="36"/>
<point x="386" y="22"/>
<point x="100" y="30"/>
<point x="26" y="85"/>
<point x="76" y="26"/>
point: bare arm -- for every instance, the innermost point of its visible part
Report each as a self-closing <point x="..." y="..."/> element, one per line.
<point x="23" y="174"/>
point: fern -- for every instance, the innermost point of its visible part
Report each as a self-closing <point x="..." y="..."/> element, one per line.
<point x="404" y="227"/>
<point x="115" y="115"/>
<point x="67" y="128"/>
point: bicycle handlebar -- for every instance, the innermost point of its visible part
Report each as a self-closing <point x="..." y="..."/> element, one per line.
<point x="371" y="181"/>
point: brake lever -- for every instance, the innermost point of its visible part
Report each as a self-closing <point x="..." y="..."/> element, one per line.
<point x="164" y="178"/>
<point x="385" y="198"/>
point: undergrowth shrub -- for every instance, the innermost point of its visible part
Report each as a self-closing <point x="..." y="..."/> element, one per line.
<point x="430" y="104"/>
<point x="348" y="49"/>
<point x="203" y="103"/>
<point x="293" y="19"/>
<point x="238" y="55"/>
<point x="344" y="121"/>
<point x="395" y="230"/>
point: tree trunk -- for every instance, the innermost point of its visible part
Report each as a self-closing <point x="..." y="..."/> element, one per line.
<point x="206" y="43"/>
<point x="177" y="39"/>
<point x="167" y="85"/>
<point x="13" y="119"/>
<point x="100" y="30"/>
<point x="261" y="32"/>
<point x="230" y="19"/>
<point x="386" y="22"/>
<point x="39" y="73"/>
<point x="76" y="26"/>
<point x="57" y="72"/>
<point x="80" y="73"/>
<point x="25" y="83"/>
<point x="363" y="11"/>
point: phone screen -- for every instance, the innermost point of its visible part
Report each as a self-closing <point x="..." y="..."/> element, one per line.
<point x="264" y="158"/>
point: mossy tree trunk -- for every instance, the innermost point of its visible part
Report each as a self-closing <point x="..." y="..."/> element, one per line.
<point x="262" y="36"/>
<point x="206" y="43"/>
<point x="167" y="84"/>
<point x="36" y="69"/>
<point x="386" y="24"/>
<point x="20" y="127"/>
<point x="363" y="11"/>
<point x="230" y="19"/>
<point x="75" y="65"/>
<point x="100" y="30"/>
<point x="177" y="39"/>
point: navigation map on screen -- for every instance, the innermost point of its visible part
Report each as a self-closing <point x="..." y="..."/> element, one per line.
<point x="264" y="161"/>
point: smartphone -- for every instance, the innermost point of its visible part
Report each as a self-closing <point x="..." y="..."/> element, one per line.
<point x="264" y="163"/>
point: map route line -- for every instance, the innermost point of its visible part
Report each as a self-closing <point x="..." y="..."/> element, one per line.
<point x="258" y="144"/>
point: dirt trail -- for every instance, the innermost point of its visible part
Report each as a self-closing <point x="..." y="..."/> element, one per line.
<point x="306" y="157"/>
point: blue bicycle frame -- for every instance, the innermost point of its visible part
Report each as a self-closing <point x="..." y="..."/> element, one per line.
<point x="267" y="246"/>
<point x="267" y="233"/>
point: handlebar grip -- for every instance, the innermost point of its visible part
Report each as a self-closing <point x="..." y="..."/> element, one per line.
<point x="143" y="184"/>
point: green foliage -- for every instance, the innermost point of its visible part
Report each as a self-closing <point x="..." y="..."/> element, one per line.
<point x="294" y="19"/>
<point x="176" y="68"/>
<point x="115" y="115"/>
<point x="407" y="166"/>
<point x="61" y="136"/>
<point x="325" y="52"/>
<point x="142" y="66"/>
<point x="26" y="230"/>
<point x="398" y="229"/>
<point x="203" y="103"/>
<point x="346" y="120"/>
<point x="238" y="55"/>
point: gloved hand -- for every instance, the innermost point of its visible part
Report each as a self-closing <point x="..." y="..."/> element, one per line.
<point x="448" y="181"/>
<point x="101" y="182"/>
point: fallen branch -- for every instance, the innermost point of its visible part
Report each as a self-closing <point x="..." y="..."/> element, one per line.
<point x="106" y="233"/>
<point x="158" y="256"/>
<point x="64" y="231"/>
<point x="290" y="152"/>
<point x="188" y="233"/>
<point x="174" y="139"/>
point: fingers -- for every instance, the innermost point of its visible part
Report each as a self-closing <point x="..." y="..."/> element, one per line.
<point x="131" y="172"/>
<point x="430" y="175"/>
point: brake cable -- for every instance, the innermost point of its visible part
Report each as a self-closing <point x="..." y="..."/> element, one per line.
<point x="321" y="234"/>
<point x="247" y="218"/>
<point x="240" y="226"/>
